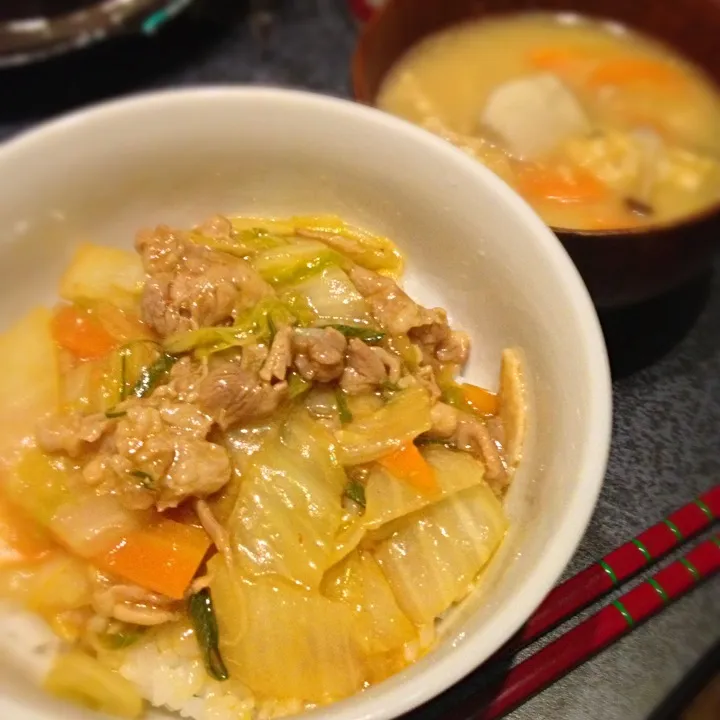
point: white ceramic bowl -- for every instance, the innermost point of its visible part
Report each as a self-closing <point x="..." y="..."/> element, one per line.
<point x="473" y="246"/>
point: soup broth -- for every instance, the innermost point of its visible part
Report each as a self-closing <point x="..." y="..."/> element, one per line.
<point x="597" y="126"/>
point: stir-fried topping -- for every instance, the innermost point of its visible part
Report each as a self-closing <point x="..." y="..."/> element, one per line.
<point x="274" y="424"/>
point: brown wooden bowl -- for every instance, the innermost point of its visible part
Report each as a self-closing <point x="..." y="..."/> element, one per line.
<point x="620" y="267"/>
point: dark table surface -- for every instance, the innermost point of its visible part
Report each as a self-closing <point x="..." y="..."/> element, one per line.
<point x="666" y="355"/>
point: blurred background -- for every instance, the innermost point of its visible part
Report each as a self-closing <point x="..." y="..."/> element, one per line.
<point x="293" y="43"/>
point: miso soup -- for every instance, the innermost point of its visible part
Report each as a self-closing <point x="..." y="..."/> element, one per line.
<point x="597" y="126"/>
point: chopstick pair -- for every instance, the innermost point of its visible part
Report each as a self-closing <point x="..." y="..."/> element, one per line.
<point x="621" y="564"/>
<point x="617" y="618"/>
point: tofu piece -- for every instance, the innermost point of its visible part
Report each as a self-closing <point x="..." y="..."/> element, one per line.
<point x="533" y="115"/>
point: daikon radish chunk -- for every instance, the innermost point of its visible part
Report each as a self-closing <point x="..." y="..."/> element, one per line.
<point x="533" y="115"/>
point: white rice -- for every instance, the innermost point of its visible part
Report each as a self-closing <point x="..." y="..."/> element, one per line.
<point x="166" y="667"/>
<point x="168" y="671"/>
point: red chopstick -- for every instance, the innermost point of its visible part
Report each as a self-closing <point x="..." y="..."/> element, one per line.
<point x="591" y="584"/>
<point x="607" y="625"/>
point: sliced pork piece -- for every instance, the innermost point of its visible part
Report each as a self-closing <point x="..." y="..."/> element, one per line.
<point x="191" y="286"/>
<point x="161" y="250"/>
<point x="390" y="305"/>
<point x="428" y="338"/>
<point x="319" y="354"/>
<point x="368" y="368"/>
<point x="253" y="358"/>
<point x="399" y="314"/>
<point x="231" y="394"/>
<point x="365" y="369"/>
<point x="454" y="348"/>
<point x="158" y="454"/>
<point x="392" y="363"/>
<point x="185" y="375"/>
<point x="201" y="295"/>
<point x="72" y="433"/>
<point x="199" y="468"/>
<point x="473" y="435"/>
<point x="438" y="343"/>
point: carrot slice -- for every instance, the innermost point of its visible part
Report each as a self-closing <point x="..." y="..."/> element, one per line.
<point x="556" y="59"/>
<point x="480" y="399"/>
<point x="163" y="557"/>
<point x="77" y="331"/>
<point x="409" y="465"/>
<point x="632" y="71"/>
<point x="565" y="184"/>
<point x="21" y="538"/>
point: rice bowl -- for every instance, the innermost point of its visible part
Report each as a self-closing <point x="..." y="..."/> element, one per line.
<point x="382" y="180"/>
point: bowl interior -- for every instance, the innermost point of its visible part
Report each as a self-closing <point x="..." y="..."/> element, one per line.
<point x="472" y="246"/>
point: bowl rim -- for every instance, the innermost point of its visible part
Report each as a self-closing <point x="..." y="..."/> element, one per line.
<point x="385" y="700"/>
<point x="361" y="93"/>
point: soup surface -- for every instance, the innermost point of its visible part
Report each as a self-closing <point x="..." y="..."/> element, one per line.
<point x="597" y="126"/>
<point x="239" y="475"/>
